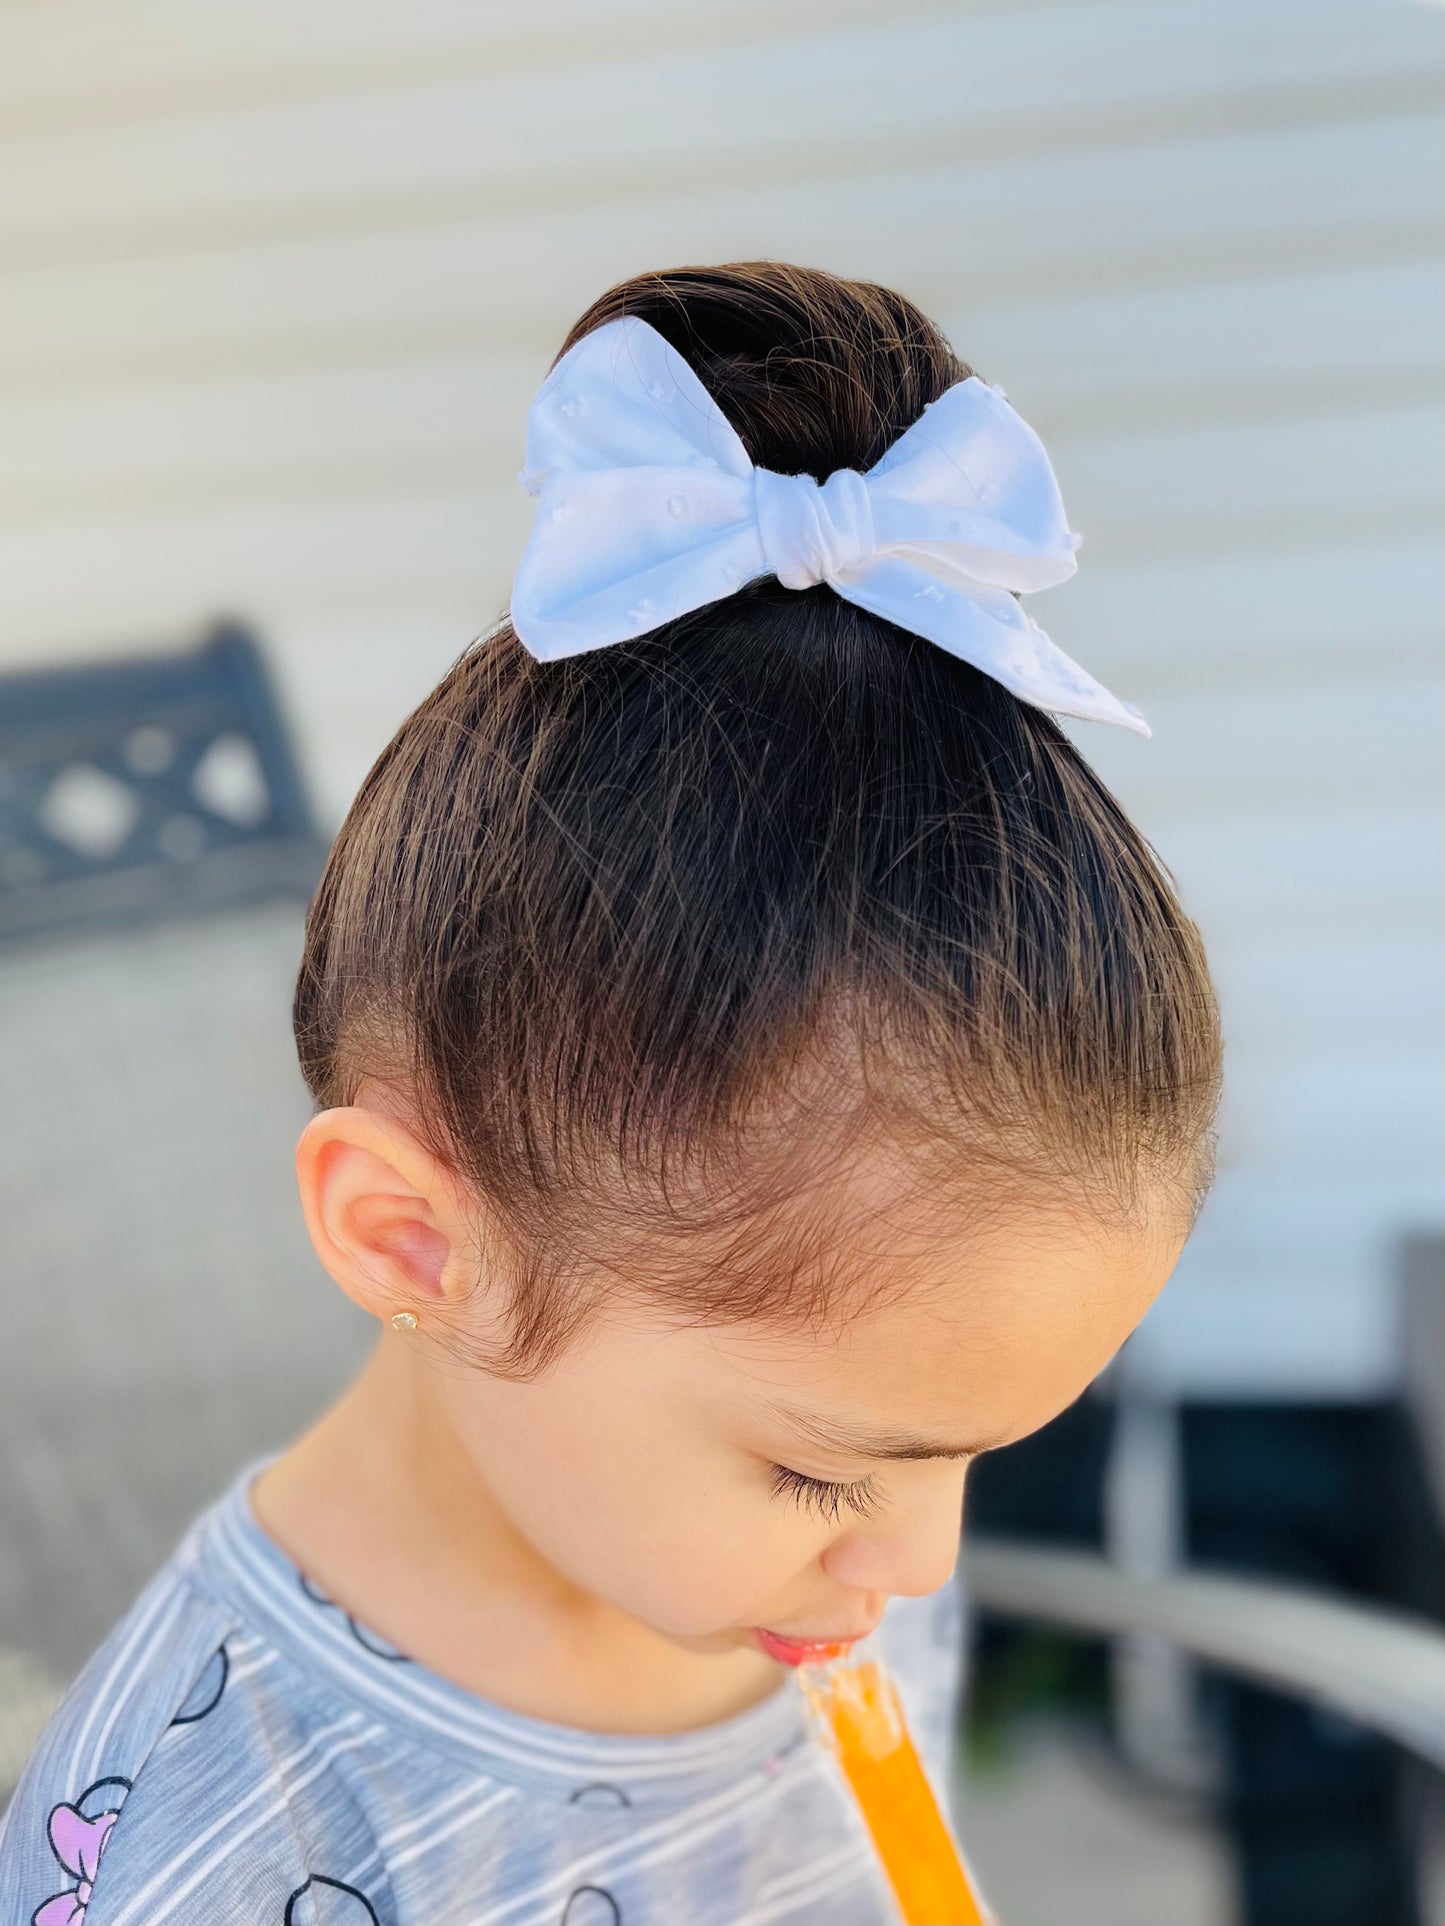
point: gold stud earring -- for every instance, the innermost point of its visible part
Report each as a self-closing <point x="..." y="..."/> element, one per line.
<point x="403" y="1321"/>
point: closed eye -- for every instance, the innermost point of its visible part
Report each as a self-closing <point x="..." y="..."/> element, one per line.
<point x="824" y="1497"/>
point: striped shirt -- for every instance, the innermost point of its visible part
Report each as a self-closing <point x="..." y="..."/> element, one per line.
<point x="241" y="1752"/>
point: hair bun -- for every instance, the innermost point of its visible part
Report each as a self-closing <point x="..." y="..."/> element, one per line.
<point x="816" y="373"/>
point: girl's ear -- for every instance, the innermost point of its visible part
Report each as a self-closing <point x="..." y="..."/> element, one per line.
<point x="386" y="1217"/>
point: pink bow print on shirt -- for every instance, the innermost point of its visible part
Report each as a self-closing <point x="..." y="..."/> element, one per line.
<point x="77" y="1843"/>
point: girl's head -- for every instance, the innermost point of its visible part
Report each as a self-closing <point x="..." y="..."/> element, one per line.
<point x="761" y="1053"/>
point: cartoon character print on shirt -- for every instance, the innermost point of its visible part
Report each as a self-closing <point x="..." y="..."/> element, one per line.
<point x="329" y="1902"/>
<point x="79" y="1833"/>
<point x="365" y="1638"/>
<point x="591" y="1906"/>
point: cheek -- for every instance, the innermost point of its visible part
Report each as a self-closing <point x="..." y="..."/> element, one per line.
<point x="677" y="1533"/>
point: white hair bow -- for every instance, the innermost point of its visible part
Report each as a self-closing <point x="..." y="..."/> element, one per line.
<point x="648" y="507"/>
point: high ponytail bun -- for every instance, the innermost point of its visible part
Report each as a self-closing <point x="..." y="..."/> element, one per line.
<point x="650" y="938"/>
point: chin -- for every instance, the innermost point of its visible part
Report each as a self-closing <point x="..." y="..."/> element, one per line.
<point x="708" y="1644"/>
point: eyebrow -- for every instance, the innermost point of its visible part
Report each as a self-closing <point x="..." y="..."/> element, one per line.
<point x="868" y="1441"/>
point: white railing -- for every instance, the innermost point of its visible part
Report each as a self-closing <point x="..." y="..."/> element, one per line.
<point x="1382" y="1668"/>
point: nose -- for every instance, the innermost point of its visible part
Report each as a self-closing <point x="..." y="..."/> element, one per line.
<point x="902" y="1554"/>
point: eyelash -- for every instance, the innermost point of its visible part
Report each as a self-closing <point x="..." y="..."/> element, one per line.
<point x="817" y="1494"/>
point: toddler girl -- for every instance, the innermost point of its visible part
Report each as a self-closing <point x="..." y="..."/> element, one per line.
<point x="758" y="1067"/>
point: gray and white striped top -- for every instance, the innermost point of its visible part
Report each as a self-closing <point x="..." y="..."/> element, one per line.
<point x="240" y="1752"/>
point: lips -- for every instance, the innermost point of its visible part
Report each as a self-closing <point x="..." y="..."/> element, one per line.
<point x="803" y="1651"/>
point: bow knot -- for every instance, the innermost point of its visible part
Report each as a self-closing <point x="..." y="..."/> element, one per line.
<point x="812" y="533"/>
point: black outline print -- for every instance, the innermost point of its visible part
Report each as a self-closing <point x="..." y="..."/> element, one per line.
<point x="592" y="1916"/>
<point x="367" y="1640"/>
<point x="183" y="1717"/>
<point x="614" y="1796"/>
<point x="288" y="1918"/>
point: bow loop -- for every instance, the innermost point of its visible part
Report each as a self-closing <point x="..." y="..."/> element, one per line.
<point x="649" y="507"/>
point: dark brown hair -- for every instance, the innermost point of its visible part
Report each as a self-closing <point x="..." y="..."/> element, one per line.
<point x="653" y="939"/>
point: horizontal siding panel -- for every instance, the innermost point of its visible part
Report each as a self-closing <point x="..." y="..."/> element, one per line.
<point x="1334" y="466"/>
<point x="59" y="65"/>
<point x="1324" y="1214"/>
<point x="1322" y="1247"/>
<point x="152" y="572"/>
<point x="118" y="448"/>
<point x="975" y="73"/>
<point x="1324" y="874"/>
<point x="1253" y="622"/>
<point x="1026" y="228"/>
<point x="163" y="57"/>
<point x="1355" y="1000"/>
<point x="1321" y="336"/>
<point x="1353" y="1122"/>
<point x="166" y="57"/>
<point x="1287" y="1286"/>
<point x="60" y="448"/>
<point x="1259" y="1323"/>
<point x="1377" y="737"/>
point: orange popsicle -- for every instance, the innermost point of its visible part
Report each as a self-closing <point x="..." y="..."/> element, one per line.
<point x="857" y="1704"/>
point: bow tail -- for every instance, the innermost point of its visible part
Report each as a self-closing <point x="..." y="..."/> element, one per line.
<point x="988" y="628"/>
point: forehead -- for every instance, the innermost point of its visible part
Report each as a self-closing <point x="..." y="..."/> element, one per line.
<point x="982" y="1334"/>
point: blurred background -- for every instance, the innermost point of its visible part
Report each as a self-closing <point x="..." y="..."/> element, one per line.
<point x="276" y="286"/>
